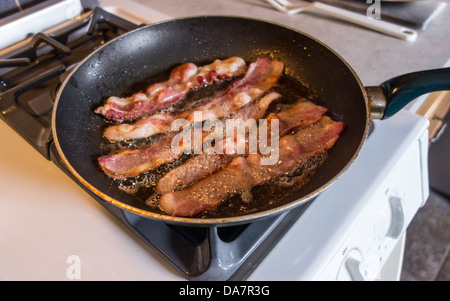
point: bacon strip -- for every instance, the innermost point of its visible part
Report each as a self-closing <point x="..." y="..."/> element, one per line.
<point x="206" y="163"/>
<point x="243" y="173"/>
<point x="260" y="77"/>
<point x="130" y="163"/>
<point x="164" y="94"/>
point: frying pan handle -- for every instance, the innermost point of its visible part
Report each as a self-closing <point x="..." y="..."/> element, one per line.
<point x="401" y="90"/>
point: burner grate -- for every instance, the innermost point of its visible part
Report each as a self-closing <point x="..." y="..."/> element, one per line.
<point x="31" y="75"/>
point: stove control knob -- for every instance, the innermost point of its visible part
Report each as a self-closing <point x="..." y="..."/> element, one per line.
<point x="351" y="268"/>
<point x="370" y="267"/>
<point x="398" y="218"/>
<point x="391" y="218"/>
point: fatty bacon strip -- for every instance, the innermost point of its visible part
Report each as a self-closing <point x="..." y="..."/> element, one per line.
<point x="206" y="163"/>
<point x="259" y="78"/>
<point x="246" y="172"/>
<point x="130" y="163"/>
<point x="161" y="95"/>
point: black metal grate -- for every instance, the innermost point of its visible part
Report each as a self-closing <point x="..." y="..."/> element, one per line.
<point x="31" y="75"/>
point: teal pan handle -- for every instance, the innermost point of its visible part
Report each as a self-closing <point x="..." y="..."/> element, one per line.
<point x="401" y="90"/>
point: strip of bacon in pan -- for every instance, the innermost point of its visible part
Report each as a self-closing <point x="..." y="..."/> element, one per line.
<point x="260" y="77"/>
<point x="130" y="163"/>
<point x="162" y="95"/>
<point x="204" y="164"/>
<point x="246" y="172"/>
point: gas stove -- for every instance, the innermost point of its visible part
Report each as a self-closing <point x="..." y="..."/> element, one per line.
<point x="348" y="232"/>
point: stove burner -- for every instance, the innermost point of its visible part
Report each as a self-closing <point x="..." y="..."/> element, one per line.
<point x="30" y="77"/>
<point x="206" y="253"/>
<point x="32" y="74"/>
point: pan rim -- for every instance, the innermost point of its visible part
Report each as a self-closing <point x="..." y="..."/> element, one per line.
<point x="222" y="221"/>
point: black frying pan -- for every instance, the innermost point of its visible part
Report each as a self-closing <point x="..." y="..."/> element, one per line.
<point x="156" y="49"/>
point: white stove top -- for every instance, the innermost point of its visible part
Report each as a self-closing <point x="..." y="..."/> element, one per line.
<point x="45" y="217"/>
<point x="51" y="229"/>
<point x="354" y="213"/>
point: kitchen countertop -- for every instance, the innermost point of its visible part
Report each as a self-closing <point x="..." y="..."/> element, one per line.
<point x="374" y="56"/>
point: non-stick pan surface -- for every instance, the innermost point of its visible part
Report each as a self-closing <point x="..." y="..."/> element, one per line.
<point x="156" y="49"/>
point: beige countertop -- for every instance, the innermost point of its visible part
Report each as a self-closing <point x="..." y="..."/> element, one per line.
<point x="374" y="56"/>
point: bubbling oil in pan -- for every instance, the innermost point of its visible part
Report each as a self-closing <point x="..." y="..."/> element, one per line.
<point x="254" y="199"/>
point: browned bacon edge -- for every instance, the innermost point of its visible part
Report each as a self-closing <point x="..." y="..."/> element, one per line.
<point x="243" y="173"/>
<point x="164" y="94"/>
<point x="260" y="77"/>
<point x="205" y="164"/>
<point x="130" y="163"/>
